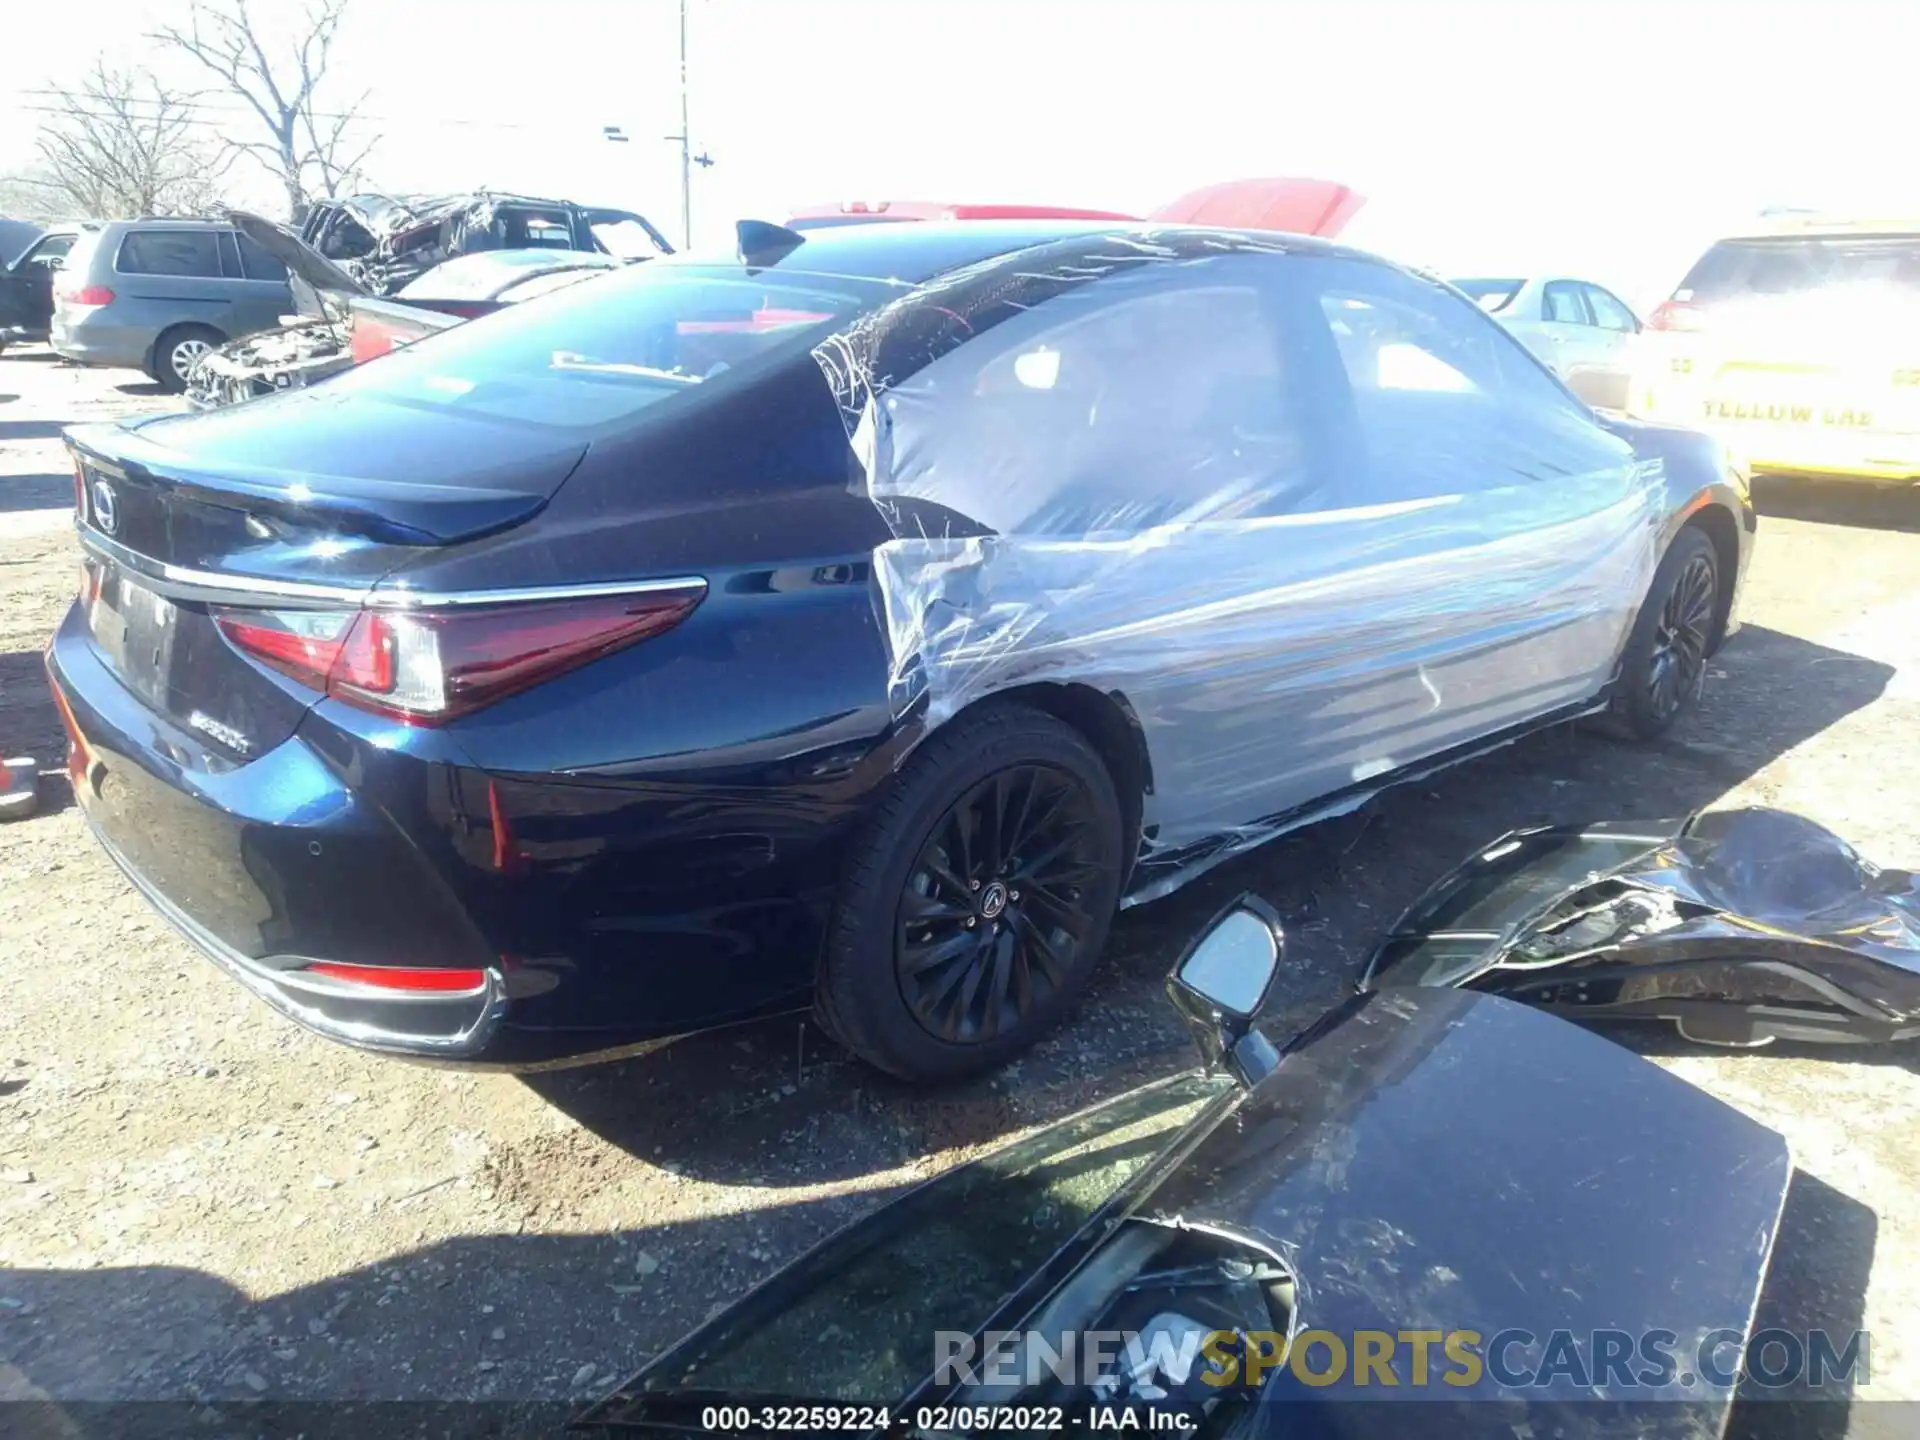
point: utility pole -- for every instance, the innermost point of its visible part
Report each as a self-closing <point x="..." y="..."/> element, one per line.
<point x="685" y="140"/>
<point x="686" y="143"/>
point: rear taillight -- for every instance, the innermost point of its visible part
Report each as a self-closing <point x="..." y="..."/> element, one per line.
<point x="87" y="295"/>
<point x="1677" y="315"/>
<point x="369" y="340"/>
<point x="428" y="666"/>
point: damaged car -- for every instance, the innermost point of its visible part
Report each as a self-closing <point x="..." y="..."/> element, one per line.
<point x="856" y="621"/>
<point x="1433" y="1212"/>
<point x="369" y="272"/>
<point x="385" y="241"/>
<point x="1737" y="926"/>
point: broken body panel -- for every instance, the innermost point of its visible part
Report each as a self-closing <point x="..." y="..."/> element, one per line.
<point x="1739" y="927"/>
<point x="1418" y="1160"/>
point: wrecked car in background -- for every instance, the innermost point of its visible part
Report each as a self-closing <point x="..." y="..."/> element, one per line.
<point x="353" y="256"/>
<point x="1738" y="926"/>
<point x="384" y="241"/>
<point x="1196" y="1256"/>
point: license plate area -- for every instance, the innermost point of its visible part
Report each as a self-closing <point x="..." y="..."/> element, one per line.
<point x="135" y="629"/>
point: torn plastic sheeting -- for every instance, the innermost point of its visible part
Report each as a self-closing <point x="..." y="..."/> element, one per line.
<point x="1111" y="518"/>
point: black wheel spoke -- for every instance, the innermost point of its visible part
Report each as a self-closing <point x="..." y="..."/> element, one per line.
<point x="1040" y="950"/>
<point x="916" y="959"/>
<point x="997" y="908"/>
<point x="1060" y="856"/>
<point x="1048" y="907"/>
<point x="926" y="909"/>
<point x="1678" y="665"/>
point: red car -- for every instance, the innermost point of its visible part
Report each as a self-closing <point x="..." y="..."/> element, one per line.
<point x="1301" y="207"/>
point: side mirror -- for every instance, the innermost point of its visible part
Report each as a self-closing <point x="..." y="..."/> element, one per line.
<point x="1221" y="981"/>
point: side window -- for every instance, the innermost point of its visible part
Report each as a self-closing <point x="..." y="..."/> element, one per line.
<point x="1563" y="305"/>
<point x="49" y="250"/>
<point x="1156" y="395"/>
<point x="1447" y="403"/>
<point x="257" y="263"/>
<point x="1608" y="311"/>
<point x="170" y="252"/>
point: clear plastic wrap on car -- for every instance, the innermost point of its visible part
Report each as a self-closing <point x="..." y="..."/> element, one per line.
<point x="1303" y="524"/>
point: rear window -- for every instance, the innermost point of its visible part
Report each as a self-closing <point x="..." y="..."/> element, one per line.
<point x="258" y="264"/>
<point x="170" y="252"/>
<point x="476" y="277"/>
<point x="1492" y="296"/>
<point x="594" y="355"/>
<point x="1737" y="269"/>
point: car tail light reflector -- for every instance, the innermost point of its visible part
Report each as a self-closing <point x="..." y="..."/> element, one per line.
<point x="429" y="666"/>
<point x="1677" y="315"/>
<point x="417" y="979"/>
<point x="88" y="295"/>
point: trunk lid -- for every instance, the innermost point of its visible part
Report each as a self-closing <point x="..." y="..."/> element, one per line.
<point x="246" y="520"/>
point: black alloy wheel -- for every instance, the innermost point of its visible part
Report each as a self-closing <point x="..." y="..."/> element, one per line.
<point x="1679" y="660"/>
<point x="976" y="901"/>
<point x="1663" y="668"/>
<point x="995" y="908"/>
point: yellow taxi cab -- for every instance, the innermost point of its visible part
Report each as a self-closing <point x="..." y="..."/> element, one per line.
<point x="1798" y="345"/>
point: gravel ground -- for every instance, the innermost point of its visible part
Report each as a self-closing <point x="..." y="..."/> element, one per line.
<point x="199" y="1201"/>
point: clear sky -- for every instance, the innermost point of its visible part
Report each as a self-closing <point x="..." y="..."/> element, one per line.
<point x="1491" y="136"/>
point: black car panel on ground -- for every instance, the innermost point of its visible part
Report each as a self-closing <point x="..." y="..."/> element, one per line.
<point x="863" y="616"/>
<point x="1484" y="1200"/>
<point x="1739" y="926"/>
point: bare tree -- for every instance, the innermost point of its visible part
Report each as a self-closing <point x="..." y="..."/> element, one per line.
<point x="308" y="150"/>
<point x="119" y="146"/>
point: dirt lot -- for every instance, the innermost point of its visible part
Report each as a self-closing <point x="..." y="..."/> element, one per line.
<point x="198" y="1201"/>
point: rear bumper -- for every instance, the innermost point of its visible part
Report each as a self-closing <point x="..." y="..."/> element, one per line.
<point x="425" y="1026"/>
<point x="272" y="866"/>
<point x="95" y="342"/>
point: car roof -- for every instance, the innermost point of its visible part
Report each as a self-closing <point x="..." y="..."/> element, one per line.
<point x="1816" y="225"/>
<point x="917" y="252"/>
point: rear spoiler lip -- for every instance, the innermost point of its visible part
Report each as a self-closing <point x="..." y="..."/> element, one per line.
<point x="130" y="456"/>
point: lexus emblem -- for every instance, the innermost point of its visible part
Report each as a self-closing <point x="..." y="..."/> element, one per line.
<point x="105" y="511"/>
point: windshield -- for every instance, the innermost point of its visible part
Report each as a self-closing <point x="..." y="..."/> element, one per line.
<point x="593" y="356"/>
<point x="1492" y="296"/>
<point x="859" y="1323"/>
<point x="1738" y="269"/>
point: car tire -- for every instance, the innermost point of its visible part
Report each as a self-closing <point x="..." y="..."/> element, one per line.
<point x="1664" y="665"/>
<point x="175" y="352"/>
<point x="937" y="963"/>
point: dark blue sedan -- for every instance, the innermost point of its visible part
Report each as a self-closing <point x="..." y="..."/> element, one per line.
<point x="857" y="620"/>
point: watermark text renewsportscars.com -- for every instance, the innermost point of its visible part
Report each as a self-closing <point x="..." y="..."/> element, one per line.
<point x="1610" y="1361"/>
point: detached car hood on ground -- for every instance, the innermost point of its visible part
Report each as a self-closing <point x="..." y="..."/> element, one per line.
<point x="1739" y="926"/>
<point x="1422" y="1160"/>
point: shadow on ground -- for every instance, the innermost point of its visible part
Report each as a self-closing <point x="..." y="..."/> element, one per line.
<point x="29" y="723"/>
<point x="507" y="1332"/>
<point x="35" y="492"/>
<point x="13" y="431"/>
<point x="1840" y="502"/>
